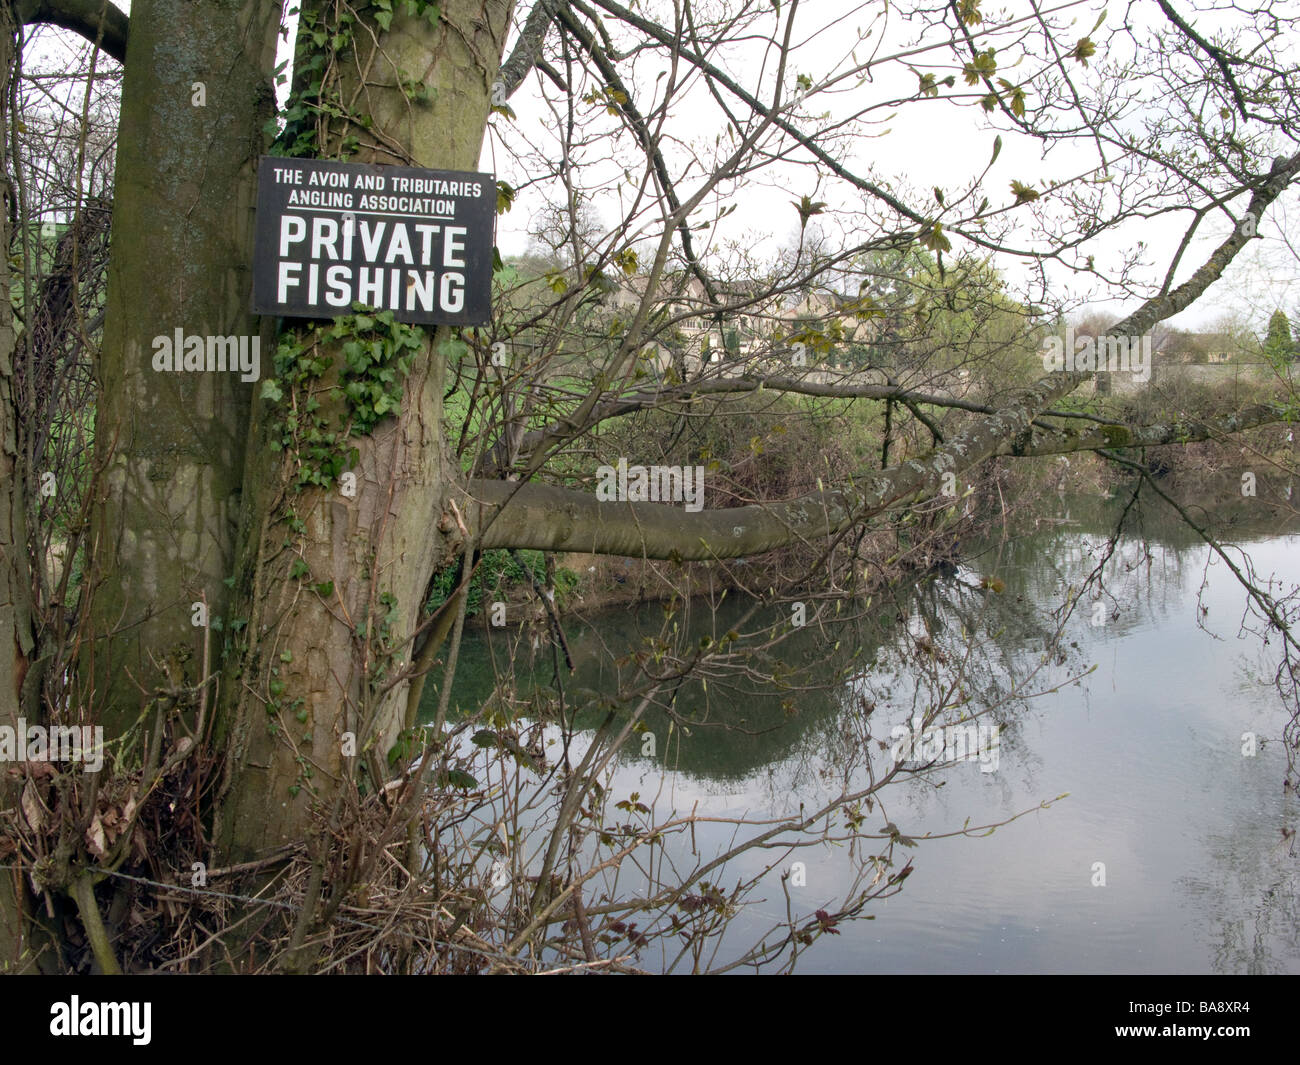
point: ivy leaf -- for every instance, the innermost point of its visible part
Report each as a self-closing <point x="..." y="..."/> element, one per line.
<point x="453" y="348"/>
<point x="271" y="391"/>
<point x="505" y="197"/>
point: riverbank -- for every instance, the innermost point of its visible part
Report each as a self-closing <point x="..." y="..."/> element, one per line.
<point x="928" y="536"/>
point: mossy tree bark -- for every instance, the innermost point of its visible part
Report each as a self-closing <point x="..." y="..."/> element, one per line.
<point x="196" y="95"/>
<point x="331" y="584"/>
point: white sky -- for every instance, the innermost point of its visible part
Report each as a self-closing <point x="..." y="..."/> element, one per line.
<point x="937" y="144"/>
<point x="916" y="148"/>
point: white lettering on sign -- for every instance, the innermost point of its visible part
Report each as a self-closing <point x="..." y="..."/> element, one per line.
<point x="331" y="235"/>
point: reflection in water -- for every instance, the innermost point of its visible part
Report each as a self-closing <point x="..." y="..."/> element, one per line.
<point x="1148" y="746"/>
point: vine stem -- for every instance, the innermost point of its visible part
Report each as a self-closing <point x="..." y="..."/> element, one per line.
<point x="83" y="893"/>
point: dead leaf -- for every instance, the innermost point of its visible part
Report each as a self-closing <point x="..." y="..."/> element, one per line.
<point x="95" y="841"/>
<point x="33" y="809"/>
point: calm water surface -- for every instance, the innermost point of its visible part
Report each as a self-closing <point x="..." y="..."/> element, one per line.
<point x="1148" y="747"/>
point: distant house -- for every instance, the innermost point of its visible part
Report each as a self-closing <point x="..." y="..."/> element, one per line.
<point x="829" y="313"/>
<point x="756" y="325"/>
<point x="1197" y="348"/>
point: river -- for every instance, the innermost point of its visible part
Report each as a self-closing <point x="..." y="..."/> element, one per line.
<point x="1165" y="800"/>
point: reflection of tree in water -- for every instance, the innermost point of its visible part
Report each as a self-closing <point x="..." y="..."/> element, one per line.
<point x="795" y="716"/>
<point x="1248" y="898"/>
<point x="945" y="647"/>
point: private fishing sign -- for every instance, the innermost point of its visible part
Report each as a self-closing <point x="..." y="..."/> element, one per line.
<point x="412" y="241"/>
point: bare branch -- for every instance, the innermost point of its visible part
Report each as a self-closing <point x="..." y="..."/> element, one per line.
<point x="96" y="20"/>
<point x="525" y="54"/>
<point x="512" y="514"/>
<point x="1221" y="59"/>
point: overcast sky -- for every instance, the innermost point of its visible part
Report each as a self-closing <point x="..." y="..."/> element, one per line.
<point x="942" y="144"/>
<point x="936" y="144"/>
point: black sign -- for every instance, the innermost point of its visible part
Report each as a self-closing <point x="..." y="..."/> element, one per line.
<point x="398" y="238"/>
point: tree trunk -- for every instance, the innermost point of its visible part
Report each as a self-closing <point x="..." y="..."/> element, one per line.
<point x="181" y="254"/>
<point x="332" y="584"/>
<point x="16" y="641"/>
